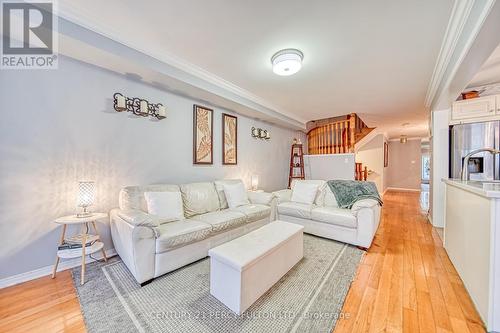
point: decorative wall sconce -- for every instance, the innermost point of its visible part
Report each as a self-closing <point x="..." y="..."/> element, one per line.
<point x="260" y="133"/>
<point x="139" y="107"/>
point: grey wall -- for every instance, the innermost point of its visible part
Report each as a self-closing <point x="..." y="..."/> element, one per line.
<point x="329" y="166"/>
<point x="59" y="127"/>
<point x="405" y="164"/>
<point x="372" y="156"/>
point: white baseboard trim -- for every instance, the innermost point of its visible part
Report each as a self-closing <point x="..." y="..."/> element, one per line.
<point x="402" y="189"/>
<point x="47" y="270"/>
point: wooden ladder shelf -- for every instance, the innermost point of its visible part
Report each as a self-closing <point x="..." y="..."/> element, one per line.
<point x="296" y="163"/>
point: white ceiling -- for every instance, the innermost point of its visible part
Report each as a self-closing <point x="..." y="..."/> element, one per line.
<point x="489" y="74"/>
<point x="374" y="58"/>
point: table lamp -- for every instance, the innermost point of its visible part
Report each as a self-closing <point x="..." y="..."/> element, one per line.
<point x="254" y="182"/>
<point x="86" y="192"/>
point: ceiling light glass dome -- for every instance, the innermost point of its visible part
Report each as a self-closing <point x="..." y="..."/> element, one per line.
<point x="287" y="62"/>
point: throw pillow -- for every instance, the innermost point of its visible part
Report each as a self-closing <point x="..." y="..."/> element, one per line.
<point x="304" y="192"/>
<point x="236" y="195"/>
<point x="166" y="205"/>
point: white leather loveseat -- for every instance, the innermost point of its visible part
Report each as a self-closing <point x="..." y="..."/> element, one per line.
<point x="151" y="247"/>
<point x="324" y="218"/>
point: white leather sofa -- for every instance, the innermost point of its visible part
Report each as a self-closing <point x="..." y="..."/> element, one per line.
<point x="324" y="218"/>
<point x="151" y="248"/>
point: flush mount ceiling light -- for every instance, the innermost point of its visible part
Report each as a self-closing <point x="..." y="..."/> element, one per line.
<point x="287" y="62"/>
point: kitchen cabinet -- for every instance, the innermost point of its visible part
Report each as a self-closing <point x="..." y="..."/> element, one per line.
<point x="476" y="109"/>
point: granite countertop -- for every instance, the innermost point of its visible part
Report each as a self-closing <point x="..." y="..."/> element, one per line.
<point x="487" y="189"/>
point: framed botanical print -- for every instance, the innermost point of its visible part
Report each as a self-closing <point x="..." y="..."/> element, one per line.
<point x="229" y="139"/>
<point x="386" y="154"/>
<point x="203" y="124"/>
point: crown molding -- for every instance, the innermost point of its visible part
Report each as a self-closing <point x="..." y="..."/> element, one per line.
<point x="459" y="14"/>
<point x="466" y="20"/>
<point x="69" y="13"/>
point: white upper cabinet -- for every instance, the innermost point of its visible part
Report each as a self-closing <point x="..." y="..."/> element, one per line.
<point x="476" y="109"/>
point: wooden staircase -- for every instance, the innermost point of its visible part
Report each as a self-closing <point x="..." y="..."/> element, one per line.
<point x="336" y="135"/>
<point x="360" y="173"/>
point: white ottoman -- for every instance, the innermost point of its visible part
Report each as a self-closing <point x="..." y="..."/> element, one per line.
<point x="243" y="269"/>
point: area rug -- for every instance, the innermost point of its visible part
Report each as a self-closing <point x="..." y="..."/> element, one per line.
<point x="308" y="298"/>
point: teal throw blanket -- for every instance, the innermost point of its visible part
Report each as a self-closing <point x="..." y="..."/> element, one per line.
<point x="347" y="192"/>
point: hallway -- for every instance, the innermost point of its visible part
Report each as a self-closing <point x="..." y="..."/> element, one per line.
<point x="406" y="281"/>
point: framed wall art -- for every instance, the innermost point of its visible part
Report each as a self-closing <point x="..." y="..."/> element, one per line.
<point x="386" y="154"/>
<point x="229" y="139"/>
<point x="203" y="125"/>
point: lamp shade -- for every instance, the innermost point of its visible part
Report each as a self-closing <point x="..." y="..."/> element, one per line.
<point x="255" y="182"/>
<point x="86" y="193"/>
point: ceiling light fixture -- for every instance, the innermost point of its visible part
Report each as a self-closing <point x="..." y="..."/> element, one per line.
<point x="403" y="139"/>
<point x="287" y="62"/>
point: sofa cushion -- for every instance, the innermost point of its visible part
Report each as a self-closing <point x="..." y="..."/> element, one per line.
<point x="304" y="192"/>
<point x="329" y="199"/>
<point x="219" y="186"/>
<point x="333" y="215"/>
<point x="165" y="205"/>
<point x="295" y="209"/>
<point x="236" y="195"/>
<point x="132" y="197"/>
<point x="254" y="212"/>
<point x="222" y="220"/>
<point x="199" y="198"/>
<point x="321" y="188"/>
<point x="180" y="233"/>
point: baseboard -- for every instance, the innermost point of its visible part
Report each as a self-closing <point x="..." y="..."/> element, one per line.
<point x="402" y="189"/>
<point x="47" y="270"/>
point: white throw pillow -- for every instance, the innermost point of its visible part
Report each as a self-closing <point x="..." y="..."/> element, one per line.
<point x="166" y="205"/>
<point x="304" y="192"/>
<point x="236" y="195"/>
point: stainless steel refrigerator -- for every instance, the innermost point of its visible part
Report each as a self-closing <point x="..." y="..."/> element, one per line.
<point x="467" y="137"/>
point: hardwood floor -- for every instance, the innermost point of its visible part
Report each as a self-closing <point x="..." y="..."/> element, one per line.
<point x="42" y="305"/>
<point x="405" y="283"/>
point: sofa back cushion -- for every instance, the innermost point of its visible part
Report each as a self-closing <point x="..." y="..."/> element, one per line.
<point x="219" y="186"/>
<point x="236" y="195"/>
<point x="329" y="198"/>
<point x="304" y="192"/>
<point x="199" y="198"/>
<point x="132" y="197"/>
<point x="167" y="206"/>
<point x="319" y="200"/>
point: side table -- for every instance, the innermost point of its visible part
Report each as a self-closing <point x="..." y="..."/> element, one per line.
<point x="85" y="223"/>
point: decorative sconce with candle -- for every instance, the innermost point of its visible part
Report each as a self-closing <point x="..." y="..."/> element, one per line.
<point x="260" y="133"/>
<point x="139" y="107"/>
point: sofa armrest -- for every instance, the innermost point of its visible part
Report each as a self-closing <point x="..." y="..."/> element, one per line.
<point x="263" y="198"/>
<point x="138" y="218"/>
<point x="367" y="212"/>
<point x="283" y="195"/>
<point x="134" y="242"/>
<point x="364" y="203"/>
